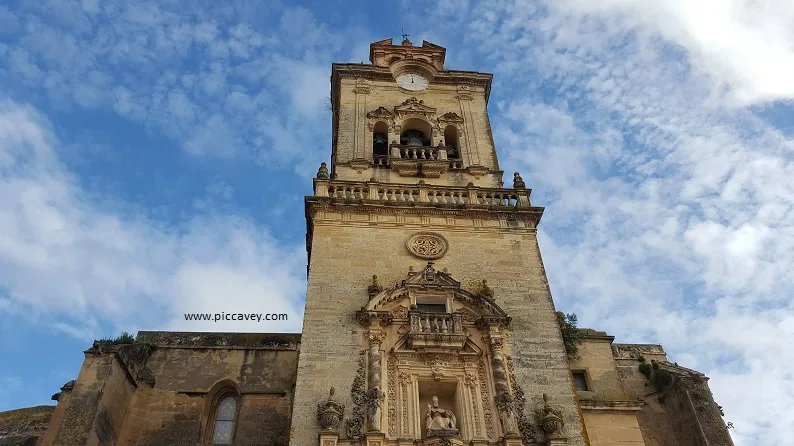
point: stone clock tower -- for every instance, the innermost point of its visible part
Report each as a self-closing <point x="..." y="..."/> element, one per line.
<point x="428" y="317"/>
<point x="428" y="310"/>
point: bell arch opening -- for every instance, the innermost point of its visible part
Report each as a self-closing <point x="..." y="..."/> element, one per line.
<point x="380" y="139"/>
<point x="451" y="141"/>
<point x="415" y="133"/>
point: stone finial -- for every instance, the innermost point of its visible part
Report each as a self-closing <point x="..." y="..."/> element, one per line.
<point x="374" y="288"/>
<point x="330" y="413"/>
<point x="322" y="172"/>
<point x="550" y="419"/>
<point x="518" y="182"/>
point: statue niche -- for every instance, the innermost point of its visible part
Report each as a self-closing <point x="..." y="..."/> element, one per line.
<point x="440" y="422"/>
<point x="431" y="337"/>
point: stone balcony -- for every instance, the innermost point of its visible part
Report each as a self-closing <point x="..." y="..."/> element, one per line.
<point x="391" y="193"/>
<point x="417" y="160"/>
<point x="436" y="330"/>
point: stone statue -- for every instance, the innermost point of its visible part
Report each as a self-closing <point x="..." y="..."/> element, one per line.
<point x="439" y="421"/>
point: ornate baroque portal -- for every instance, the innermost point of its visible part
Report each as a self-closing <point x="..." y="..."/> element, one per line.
<point x="435" y="369"/>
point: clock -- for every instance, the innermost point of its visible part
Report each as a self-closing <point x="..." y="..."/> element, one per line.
<point x="413" y="82"/>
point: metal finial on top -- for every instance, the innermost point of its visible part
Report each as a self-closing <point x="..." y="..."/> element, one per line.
<point x="406" y="42"/>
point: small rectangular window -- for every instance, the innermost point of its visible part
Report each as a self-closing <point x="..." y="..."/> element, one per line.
<point x="580" y="381"/>
<point x="432" y="308"/>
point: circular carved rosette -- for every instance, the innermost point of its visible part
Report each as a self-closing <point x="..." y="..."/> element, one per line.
<point x="427" y="245"/>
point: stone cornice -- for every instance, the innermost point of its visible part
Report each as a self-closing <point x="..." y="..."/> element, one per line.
<point x="611" y="406"/>
<point x="373" y="73"/>
<point x="230" y="341"/>
<point x="531" y="215"/>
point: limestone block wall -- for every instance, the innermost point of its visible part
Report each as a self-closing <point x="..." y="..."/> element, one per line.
<point x="354" y="140"/>
<point x="94" y="411"/>
<point x="172" y="404"/>
<point x="349" y="247"/>
<point x="606" y="428"/>
<point x="655" y="424"/>
<point x="595" y="357"/>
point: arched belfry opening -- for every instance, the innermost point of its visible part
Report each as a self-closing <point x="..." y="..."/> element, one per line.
<point x="415" y="133"/>
<point x="451" y="141"/>
<point x="380" y="139"/>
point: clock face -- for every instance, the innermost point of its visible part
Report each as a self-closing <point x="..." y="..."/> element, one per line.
<point x="413" y="82"/>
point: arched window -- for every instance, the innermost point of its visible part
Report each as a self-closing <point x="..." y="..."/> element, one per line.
<point x="380" y="139"/>
<point x="415" y="133"/>
<point x="451" y="141"/>
<point x="225" y="418"/>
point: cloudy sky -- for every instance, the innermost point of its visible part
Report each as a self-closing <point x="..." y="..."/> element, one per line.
<point x="154" y="155"/>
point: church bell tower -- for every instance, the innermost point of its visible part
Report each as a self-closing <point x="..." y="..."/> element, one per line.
<point x="428" y="319"/>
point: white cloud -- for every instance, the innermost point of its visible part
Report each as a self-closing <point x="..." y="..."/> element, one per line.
<point x="746" y="47"/>
<point x="668" y="215"/>
<point x="65" y="260"/>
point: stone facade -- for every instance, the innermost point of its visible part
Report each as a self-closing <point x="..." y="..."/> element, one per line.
<point x="428" y="319"/>
<point x="23" y="427"/>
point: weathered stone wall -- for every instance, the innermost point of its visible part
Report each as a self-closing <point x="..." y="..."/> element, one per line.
<point x="695" y="416"/>
<point x="166" y="401"/>
<point x="595" y="357"/>
<point x="349" y="247"/>
<point x="24" y="427"/>
<point x="78" y="424"/>
<point x="605" y="428"/>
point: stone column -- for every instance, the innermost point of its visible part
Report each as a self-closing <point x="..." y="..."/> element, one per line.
<point x="469" y="133"/>
<point x="359" y="136"/>
<point x="503" y="397"/>
<point x="374" y="394"/>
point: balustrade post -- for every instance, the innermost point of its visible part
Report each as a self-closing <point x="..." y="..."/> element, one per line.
<point x="423" y="198"/>
<point x="472" y="193"/>
<point x="320" y="187"/>
<point x="523" y="198"/>
<point x="442" y="153"/>
<point x="395" y="151"/>
<point x="373" y="189"/>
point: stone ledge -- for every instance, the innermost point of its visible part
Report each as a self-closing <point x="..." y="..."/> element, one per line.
<point x="181" y="339"/>
<point x="632" y="351"/>
<point x="612" y="406"/>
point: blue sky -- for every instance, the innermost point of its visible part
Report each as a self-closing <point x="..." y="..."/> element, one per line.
<point x="154" y="156"/>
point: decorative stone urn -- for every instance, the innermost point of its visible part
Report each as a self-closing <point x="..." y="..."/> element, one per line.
<point x="550" y="419"/>
<point x="330" y="413"/>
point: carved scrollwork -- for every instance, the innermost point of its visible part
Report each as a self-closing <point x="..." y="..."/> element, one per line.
<point x="485" y="398"/>
<point x="519" y="401"/>
<point x="355" y="424"/>
<point x="427" y="245"/>
<point x="392" y="392"/>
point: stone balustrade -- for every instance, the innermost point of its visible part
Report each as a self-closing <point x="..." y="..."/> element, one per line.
<point x="418" y="152"/>
<point x="423" y="322"/>
<point x="422" y="193"/>
<point x="434" y="330"/>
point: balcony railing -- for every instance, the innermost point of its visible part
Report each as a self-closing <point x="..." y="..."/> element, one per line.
<point x="422" y="193"/>
<point x="422" y="322"/>
<point x="436" y="330"/>
<point x="418" y="152"/>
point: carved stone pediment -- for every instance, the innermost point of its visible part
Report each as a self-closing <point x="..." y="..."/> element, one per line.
<point x="450" y="118"/>
<point x="429" y="277"/>
<point x="380" y="113"/>
<point x="413" y="106"/>
<point x="480" y="309"/>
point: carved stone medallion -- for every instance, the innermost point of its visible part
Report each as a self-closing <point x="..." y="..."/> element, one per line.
<point x="427" y="245"/>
